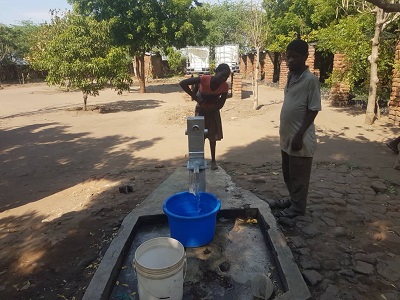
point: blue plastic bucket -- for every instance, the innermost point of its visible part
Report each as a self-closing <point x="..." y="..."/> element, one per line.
<point x="191" y="218"/>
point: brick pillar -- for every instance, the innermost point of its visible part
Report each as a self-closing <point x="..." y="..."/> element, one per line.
<point x="310" y="62"/>
<point x="269" y="67"/>
<point x="243" y="64"/>
<point x="311" y="58"/>
<point x="250" y="66"/>
<point x="340" y="90"/>
<point x="237" y="86"/>
<point x="394" y="103"/>
<point x="283" y="72"/>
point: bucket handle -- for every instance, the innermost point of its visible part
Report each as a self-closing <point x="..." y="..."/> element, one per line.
<point x="185" y="268"/>
<point x="162" y="298"/>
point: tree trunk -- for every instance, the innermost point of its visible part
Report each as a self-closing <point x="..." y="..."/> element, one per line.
<point x="370" y="116"/>
<point x="257" y="62"/>
<point x="134" y="67"/>
<point x="140" y="72"/>
<point x="85" y="96"/>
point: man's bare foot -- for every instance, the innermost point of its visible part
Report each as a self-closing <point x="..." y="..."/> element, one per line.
<point x="214" y="165"/>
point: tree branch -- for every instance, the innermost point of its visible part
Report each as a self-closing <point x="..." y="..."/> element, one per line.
<point x="386" y="6"/>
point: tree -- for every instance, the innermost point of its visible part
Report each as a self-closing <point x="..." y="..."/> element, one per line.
<point x="7" y="44"/>
<point x="257" y="39"/>
<point x="77" y="53"/>
<point x="386" y="5"/>
<point x="227" y="24"/>
<point x="381" y="21"/>
<point x="356" y="46"/>
<point x="350" y="36"/>
<point x="23" y="33"/>
<point x="142" y="25"/>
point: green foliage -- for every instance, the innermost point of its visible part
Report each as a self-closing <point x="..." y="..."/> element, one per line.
<point x="76" y="51"/>
<point x="175" y="60"/>
<point x="351" y="36"/>
<point x="7" y="43"/>
<point x="143" y="25"/>
<point x="23" y="38"/>
<point x="287" y="19"/>
<point x="227" y="24"/>
<point x="15" y="41"/>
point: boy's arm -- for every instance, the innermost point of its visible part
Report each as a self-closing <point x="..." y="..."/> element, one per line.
<point x="185" y="85"/>
<point x="213" y="106"/>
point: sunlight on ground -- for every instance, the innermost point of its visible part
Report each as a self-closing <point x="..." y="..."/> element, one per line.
<point x="26" y="263"/>
<point x="49" y="208"/>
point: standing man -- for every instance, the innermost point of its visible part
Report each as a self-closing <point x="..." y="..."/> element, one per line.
<point x="298" y="142"/>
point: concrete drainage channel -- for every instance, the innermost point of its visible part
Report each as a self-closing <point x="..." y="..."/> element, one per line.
<point x="247" y="245"/>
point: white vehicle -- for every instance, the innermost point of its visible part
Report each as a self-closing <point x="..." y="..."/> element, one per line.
<point x="198" y="60"/>
<point x="228" y="54"/>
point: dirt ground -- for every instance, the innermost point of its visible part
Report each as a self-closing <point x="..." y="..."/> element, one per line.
<point x="61" y="169"/>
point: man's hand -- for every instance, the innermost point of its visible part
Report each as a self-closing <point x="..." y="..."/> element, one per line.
<point x="297" y="142"/>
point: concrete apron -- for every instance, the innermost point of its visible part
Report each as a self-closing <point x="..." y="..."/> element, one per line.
<point x="232" y="198"/>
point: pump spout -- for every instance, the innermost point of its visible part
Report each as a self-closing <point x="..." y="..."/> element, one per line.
<point x="196" y="163"/>
<point x="196" y="167"/>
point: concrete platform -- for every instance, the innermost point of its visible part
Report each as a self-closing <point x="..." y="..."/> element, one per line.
<point x="235" y="201"/>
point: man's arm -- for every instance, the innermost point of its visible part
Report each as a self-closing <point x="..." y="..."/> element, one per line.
<point x="297" y="142"/>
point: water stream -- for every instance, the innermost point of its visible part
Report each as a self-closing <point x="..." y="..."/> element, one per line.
<point x="194" y="188"/>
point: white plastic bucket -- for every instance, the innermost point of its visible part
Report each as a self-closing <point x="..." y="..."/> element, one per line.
<point x="159" y="265"/>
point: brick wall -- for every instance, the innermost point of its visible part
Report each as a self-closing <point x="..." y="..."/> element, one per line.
<point x="269" y="67"/>
<point x="283" y="72"/>
<point x="237" y="86"/>
<point x="154" y="66"/>
<point x="310" y="62"/>
<point x="250" y="66"/>
<point x="339" y="92"/>
<point x="394" y="103"/>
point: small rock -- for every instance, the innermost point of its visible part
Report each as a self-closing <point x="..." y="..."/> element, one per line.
<point x="347" y="273"/>
<point x="366" y="258"/>
<point x="363" y="268"/>
<point x="159" y="166"/>
<point x="389" y="272"/>
<point x="257" y="179"/>
<point x="329" y="221"/>
<point x="339" y="231"/>
<point x="352" y="280"/>
<point x="309" y="263"/>
<point x="125" y="189"/>
<point x="378" y="186"/>
<point x="331" y="265"/>
<point x="298" y="242"/>
<point x="311" y="230"/>
<point x="328" y="296"/>
<point x="353" y="202"/>
<point x="225" y="266"/>
<point x="312" y="277"/>
<point x="381" y="198"/>
<point x="391" y="295"/>
<point x="335" y="195"/>
<point x="332" y="289"/>
<point x="287" y="222"/>
<point x="206" y="251"/>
